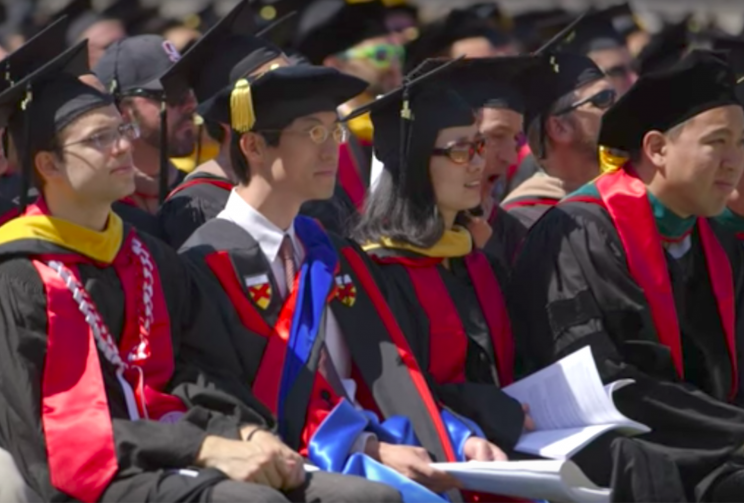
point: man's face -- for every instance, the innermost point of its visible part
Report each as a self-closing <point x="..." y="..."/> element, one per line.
<point x="376" y="60"/>
<point x="181" y="130"/>
<point x="304" y="164"/>
<point x="586" y="118"/>
<point x="703" y="165"/>
<point x="101" y="35"/>
<point x="95" y="163"/>
<point x="500" y="128"/>
<point x="617" y="65"/>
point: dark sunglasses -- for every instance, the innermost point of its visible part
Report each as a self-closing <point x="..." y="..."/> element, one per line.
<point x="602" y="100"/>
<point x="462" y="152"/>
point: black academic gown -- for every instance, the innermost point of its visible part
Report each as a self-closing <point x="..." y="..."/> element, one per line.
<point x="529" y="211"/>
<point x="571" y="287"/>
<point x="508" y="233"/>
<point x="137" y="218"/>
<point x="146" y="451"/>
<point x="479" y="397"/>
<point x="200" y="198"/>
<point x="385" y="383"/>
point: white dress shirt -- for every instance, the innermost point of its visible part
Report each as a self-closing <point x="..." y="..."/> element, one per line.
<point x="269" y="238"/>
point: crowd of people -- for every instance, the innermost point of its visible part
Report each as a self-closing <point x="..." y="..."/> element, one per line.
<point x="297" y="255"/>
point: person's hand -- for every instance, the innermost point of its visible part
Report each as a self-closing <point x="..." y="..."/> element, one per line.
<point x="270" y="443"/>
<point x="529" y="423"/>
<point x="258" y="462"/>
<point x="480" y="449"/>
<point x="414" y="463"/>
<point x="480" y="230"/>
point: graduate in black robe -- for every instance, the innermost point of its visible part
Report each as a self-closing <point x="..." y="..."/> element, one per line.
<point x="226" y="52"/>
<point x="446" y="294"/>
<point x="92" y="314"/>
<point x="353" y="355"/>
<point x="631" y="266"/>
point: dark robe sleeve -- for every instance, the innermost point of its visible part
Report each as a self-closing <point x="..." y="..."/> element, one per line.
<point x="499" y="416"/>
<point x="508" y="233"/>
<point x="180" y="216"/>
<point x="336" y="214"/>
<point x="196" y="325"/>
<point x="570" y="284"/>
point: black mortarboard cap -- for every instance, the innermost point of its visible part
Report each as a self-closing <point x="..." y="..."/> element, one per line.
<point x="436" y="38"/>
<point x="228" y="46"/>
<point x="408" y="119"/>
<point x="593" y="31"/>
<point x="490" y="82"/>
<point x="45" y="101"/>
<point x="624" y="19"/>
<point x="699" y="82"/>
<point x="276" y="98"/>
<point x="37" y="51"/>
<point x="328" y="27"/>
<point x="665" y="48"/>
<point x="124" y="11"/>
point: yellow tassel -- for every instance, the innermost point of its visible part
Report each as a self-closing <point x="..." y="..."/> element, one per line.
<point x="611" y="160"/>
<point x="198" y="120"/>
<point x="242" y="115"/>
<point x="406" y="111"/>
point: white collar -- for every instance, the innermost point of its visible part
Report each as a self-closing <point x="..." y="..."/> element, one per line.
<point x="268" y="236"/>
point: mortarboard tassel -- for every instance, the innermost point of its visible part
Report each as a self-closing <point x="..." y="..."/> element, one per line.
<point x="199" y="121"/>
<point x="242" y="115"/>
<point x="610" y="159"/>
<point x="164" y="171"/>
<point x="27" y="165"/>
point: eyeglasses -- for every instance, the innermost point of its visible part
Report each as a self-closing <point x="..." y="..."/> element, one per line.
<point x="382" y="56"/>
<point x="462" y="152"/>
<point x="318" y="134"/>
<point x="105" y="139"/>
<point x="602" y="100"/>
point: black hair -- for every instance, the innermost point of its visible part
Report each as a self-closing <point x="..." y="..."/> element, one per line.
<point x="406" y="214"/>
<point x="240" y="165"/>
<point x="215" y="130"/>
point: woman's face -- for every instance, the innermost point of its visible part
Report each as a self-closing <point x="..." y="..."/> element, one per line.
<point x="456" y="168"/>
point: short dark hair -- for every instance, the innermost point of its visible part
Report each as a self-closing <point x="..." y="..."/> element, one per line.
<point x="215" y="130"/>
<point x="240" y="165"/>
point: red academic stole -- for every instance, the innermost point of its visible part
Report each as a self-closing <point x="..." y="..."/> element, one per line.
<point x="448" y="341"/>
<point x="625" y="198"/>
<point x="222" y="184"/>
<point x="75" y="413"/>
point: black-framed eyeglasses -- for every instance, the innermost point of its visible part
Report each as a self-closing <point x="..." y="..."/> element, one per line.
<point x="103" y="140"/>
<point x="462" y="152"/>
<point x="318" y="134"/>
<point x="602" y="100"/>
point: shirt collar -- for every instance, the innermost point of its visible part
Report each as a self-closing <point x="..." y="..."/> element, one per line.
<point x="268" y="236"/>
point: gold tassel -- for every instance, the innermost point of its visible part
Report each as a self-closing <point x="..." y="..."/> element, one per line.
<point x="242" y="115"/>
<point x="406" y="111"/>
<point x="611" y="160"/>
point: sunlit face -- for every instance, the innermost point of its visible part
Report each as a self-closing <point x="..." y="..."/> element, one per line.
<point x="703" y="165"/>
<point x="617" y="64"/>
<point x="181" y="130"/>
<point x="500" y="128"/>
<point x="376" y="60"/>
<point x="457" y="185"/>
<point x="95" y="161"/>
<point x="304" y="164"/>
